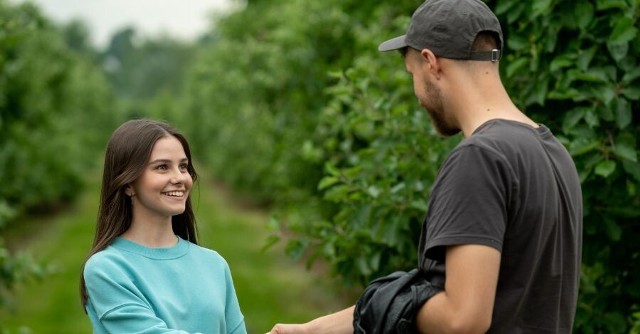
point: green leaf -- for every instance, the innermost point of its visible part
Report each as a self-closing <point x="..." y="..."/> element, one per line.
<point x="609" y="4"/>
<point x="273" y="224"/>
<point x="625" y="151"/>
<point x="295" y="249"/>
<point x="613" y="230"/>
<point x="605" y="113"/>
<point x="622" y="112"/>
<point x="398" y="187"/>
<point x="592" y="75"/>
<point x="625" y="146"/>
<point x="591" y="118"/>
<point x="540" y="92"/>
<point x="585" y="57"/>
<point x="565" y="94"/>
<point x="632" y="168"/>
<point x="515" y="13"/>
<point x="518" y="42"/>
<point x="362" y="264"/>
<point x="549" y="43"/>
<point x="504" y="7"/>
<point x="562" y="61"/>
<point x="631" y="188"/>
<point x="603" y="93"/>
<point x="584" y="14"/>
<point x="540" y="7"/>
<point x="374" y="260"/>
<point x="624" y="31"/>
<point x="629" y="76"/>
<point x="331" y="169"/>
<point x="337" y="193"/>
<point x="618" y="50"/>
<point x="632" y="93"/>
<point x="373" y="191"/>
<point x="571" y="119"/>
<point x="269" y="242"/>
<point x="515" y="66"/>
<point x="327" y="181"/>
<point x="605" y="168"/>
<point x="582" y="146"/>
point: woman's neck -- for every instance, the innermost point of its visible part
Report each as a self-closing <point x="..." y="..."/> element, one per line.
<point x="151" y="233"/>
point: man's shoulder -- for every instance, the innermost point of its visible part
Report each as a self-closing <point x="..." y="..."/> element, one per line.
<point x="501" y="130"/>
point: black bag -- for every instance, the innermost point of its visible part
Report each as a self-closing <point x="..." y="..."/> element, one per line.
<point x="389" y="304"/>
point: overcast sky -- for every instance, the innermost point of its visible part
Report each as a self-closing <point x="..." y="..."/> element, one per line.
<point x="177" y="18"/>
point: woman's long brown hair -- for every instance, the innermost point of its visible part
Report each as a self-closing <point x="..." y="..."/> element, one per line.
<point x="127" y="154"/>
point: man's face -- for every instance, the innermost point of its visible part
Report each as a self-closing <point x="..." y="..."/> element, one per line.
<point x="429" y="94"/>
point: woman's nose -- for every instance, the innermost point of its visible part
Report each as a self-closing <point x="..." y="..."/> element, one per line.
<point x="179" y="176"/>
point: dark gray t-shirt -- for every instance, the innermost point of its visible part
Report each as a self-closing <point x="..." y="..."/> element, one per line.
<point x="514" y="188"/>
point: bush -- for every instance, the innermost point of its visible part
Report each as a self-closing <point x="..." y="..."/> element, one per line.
<point x="54" y="109"/>
<point x="292" y="103"/>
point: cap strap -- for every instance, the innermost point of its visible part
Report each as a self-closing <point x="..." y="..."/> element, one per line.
<point x="493" y="55"/>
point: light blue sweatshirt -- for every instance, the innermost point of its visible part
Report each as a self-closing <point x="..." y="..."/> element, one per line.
<point x="180" y="289"/>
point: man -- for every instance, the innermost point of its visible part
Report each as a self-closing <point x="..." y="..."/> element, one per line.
<point x="504" y="221"/>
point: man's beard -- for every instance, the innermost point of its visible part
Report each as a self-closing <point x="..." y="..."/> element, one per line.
<point x="434" y="106"/>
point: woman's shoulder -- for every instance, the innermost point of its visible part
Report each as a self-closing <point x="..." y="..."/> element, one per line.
<point x="107" y="255"/>
<point x="207" y="254"/>
<point x="107" y="262"/>
<point x="205" y="251"/>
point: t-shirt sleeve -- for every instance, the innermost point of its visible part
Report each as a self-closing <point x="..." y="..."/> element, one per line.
<point x="233" y="316"/>
<point x="468" y="204"/>
<point x="117" y="303"/>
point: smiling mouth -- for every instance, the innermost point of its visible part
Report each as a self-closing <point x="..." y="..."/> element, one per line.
<point x="174" y="193"/>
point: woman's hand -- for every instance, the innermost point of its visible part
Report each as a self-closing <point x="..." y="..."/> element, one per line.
<point x="288" y="329"/>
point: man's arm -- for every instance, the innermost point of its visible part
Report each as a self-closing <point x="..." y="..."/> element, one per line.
<point x="336" y="323"/>
<point x="466" y="304"/>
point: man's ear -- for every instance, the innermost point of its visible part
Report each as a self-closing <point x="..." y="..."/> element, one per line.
<point x="432" y="61"/>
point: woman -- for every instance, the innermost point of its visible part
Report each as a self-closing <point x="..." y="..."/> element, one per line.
<point x="145" y="272"/>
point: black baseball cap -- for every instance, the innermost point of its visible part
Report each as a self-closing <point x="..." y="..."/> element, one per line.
<point x="448" y="28"/>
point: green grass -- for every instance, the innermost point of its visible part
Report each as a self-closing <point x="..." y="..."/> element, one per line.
<point x="271" y="288"/>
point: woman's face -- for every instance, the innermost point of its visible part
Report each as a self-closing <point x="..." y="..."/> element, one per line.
<point x="163" y="188"/>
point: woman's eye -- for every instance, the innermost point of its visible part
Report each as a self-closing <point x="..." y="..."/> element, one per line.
<point x="162" y="167"/>
<point x="184" y="166"/>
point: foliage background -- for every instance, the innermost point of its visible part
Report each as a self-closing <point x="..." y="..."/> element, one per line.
<point x="290" y="104"/>
<point x="48" y="92"/>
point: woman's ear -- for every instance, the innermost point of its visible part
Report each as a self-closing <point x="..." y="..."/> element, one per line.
<point x="129" y="190"/>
